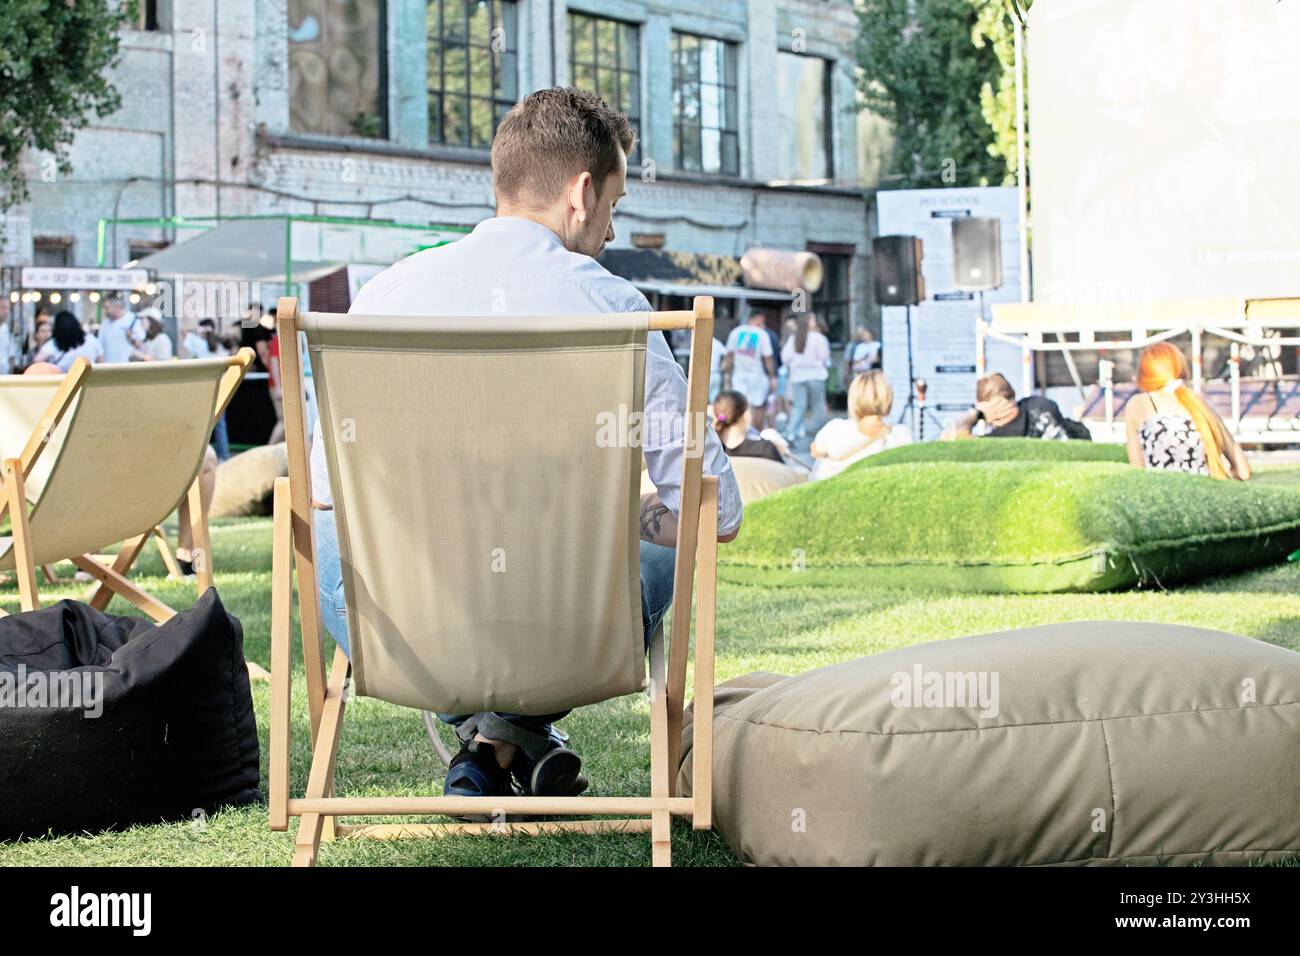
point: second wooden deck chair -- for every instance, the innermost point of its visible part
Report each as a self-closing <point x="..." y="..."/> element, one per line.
<point x="116" y="449"/>
<point x="488" y="535"/>
<point x="24" y="403"/>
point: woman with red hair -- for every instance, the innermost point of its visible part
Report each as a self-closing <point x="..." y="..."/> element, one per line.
<point x="1171" y="428"/>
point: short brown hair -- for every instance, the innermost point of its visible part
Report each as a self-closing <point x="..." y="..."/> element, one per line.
<point x="992" y="386"/>
<point x="551" y="136"/>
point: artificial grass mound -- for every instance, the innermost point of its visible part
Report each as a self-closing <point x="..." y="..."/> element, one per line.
<point x="995" y="449"/>
<point x="1011" y="527"/>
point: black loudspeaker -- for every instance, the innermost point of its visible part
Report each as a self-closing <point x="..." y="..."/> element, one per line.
<point x="976" y="254"/>
<point x="897" y="261"/>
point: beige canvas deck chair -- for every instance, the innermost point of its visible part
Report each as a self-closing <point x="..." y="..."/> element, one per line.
<point x="115" y="450"/>
<point x="24" y="400"/>
<point x="490" y="550"/>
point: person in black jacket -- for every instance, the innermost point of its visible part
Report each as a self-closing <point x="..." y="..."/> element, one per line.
<point x="732" y="422"/>
<point x="997" y="414"/>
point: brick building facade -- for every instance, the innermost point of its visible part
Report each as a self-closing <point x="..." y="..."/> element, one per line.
<point x="382" y="110"/>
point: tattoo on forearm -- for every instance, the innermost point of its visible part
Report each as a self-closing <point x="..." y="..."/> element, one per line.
<point x="652" y="517"/>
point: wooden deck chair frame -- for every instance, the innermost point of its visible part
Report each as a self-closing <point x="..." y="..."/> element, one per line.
<point x="112" y="577"/>
<point x="319" y="809"/>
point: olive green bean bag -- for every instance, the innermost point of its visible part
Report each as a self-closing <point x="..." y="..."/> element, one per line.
<point x="994" y="449"/>
<point x="1082" y="743"/>
<point x="1011" y="527"/>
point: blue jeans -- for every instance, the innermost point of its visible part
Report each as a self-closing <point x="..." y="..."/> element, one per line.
<point x="221" y="439"/>
<point x="809" y="397"/>
<point x="527" y="731"/>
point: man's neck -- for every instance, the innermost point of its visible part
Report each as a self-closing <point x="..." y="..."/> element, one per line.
<point x="540" y="216"/>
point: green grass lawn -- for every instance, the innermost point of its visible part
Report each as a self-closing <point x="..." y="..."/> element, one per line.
<point x="786" y="630"/>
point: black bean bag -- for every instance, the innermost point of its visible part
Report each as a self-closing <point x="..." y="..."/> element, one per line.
<point x="110" y="721"/>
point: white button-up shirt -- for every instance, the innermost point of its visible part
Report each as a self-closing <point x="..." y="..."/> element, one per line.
<point x="117" y="337"/>
<point x="514" y="266"/>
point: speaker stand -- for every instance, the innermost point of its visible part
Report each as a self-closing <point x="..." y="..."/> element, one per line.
<point x="913" y="410"/>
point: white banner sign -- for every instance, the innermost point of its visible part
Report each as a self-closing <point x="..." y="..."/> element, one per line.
<point x="943" y="326"/>
<point x="69" y="277"/>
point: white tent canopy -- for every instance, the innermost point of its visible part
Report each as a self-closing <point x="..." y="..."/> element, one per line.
<point x="273" y="249"/>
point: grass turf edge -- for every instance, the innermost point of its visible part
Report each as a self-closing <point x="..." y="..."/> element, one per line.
<point x="1019" y="527"/>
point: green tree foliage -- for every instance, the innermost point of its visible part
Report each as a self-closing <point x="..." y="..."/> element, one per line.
<point x="925" y="72"/>
<point x="54" y="61"/>
<point x="995" y="28"/>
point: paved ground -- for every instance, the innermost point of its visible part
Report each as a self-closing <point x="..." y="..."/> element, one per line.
<point x="1278" y="456"/>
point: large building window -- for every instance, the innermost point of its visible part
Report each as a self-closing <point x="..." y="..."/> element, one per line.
<point x="705" y="131"/>
<point x="803" y="112"/>
<point x="473" y="69"/>
<point x="604" y="57"/>
<point x="336" y="67"/>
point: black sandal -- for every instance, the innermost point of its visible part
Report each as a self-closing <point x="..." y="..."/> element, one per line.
<point x="558" y="773"/>
<point x="474" y="772"/>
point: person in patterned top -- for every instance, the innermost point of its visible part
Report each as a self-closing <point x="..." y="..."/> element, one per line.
<point x="1171" y="428"/>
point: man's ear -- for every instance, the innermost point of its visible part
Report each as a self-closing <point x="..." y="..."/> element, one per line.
<point x="577" y="194"/>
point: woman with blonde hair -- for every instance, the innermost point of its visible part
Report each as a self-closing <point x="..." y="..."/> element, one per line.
<point x="1171" y="428"/>
<point x="843" y="441"/>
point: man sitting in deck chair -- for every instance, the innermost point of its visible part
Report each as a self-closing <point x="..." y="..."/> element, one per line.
<point x="559" y="161"/>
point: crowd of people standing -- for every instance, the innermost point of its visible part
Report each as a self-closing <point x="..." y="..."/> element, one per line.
<point x="783" y="378"/>
<point x="769" y="394"/>
<point x="59" y="338"/>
